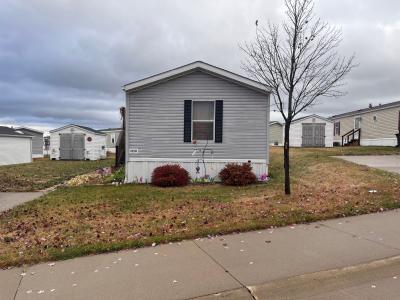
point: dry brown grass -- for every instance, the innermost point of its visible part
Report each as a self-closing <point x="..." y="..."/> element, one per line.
<point x="43" y="173"/>
<point x="92" y="219"/>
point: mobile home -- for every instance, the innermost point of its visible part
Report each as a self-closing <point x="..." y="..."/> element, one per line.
<point x="372" y="126"/>
<point x="37" y="140"/>
<point x="15" y="146"/>
<point x="111" y="138"/>
<point x="199" y="116"/>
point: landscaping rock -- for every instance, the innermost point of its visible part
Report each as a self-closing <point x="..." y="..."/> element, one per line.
<point x="85" y="179"/>
<point x="95" y="177"/>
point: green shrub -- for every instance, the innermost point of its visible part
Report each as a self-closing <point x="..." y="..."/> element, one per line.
<point x="119" y="175"/>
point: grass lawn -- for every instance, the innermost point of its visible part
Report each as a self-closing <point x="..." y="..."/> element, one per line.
<point x="92" y="219"/>
<point x="44" y="173"/>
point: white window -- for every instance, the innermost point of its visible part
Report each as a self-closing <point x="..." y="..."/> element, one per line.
<point x="337" y="128"/>
<point x="203" y="120"/>
<point x="113" y="138"/>
<point x="357" y="123"/>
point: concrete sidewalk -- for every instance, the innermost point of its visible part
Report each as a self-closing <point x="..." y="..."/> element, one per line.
<point x="390" y="163"/>
<point x="238" y="266"/>
<point x="9" y="200"/>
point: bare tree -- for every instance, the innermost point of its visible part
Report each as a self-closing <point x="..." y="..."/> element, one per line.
<point x="299" y="62"/>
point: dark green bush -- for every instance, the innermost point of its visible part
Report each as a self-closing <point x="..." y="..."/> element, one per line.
<point x="119" y="175"/>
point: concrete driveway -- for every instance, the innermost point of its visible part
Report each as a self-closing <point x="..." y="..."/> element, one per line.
<point x="9" y="200"/>
<point x="389" y="163"/>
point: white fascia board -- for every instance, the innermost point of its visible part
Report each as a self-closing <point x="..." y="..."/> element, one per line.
<point x="366" y="110"/>
<point x="78" y="127"/>
<point x="193" y="66"/>
<point x="110" y="131"/>
<point x="312" y="116"/>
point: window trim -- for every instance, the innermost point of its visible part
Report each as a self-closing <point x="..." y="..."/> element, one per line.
<point x="336" y="128"/>
<point x="213" y="120"/>
<point x="398" y="122"/>
<point x="355" y="118"/>
<point x="113" y="139"/>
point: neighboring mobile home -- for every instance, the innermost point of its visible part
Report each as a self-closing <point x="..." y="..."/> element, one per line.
<point x="37" y="140"/>
<point x="112" y="138"/>
<point x="75" y="142"/>
<point x="15" y="146"/>
<point x="173" y="116"/>
<point x="276" y="133"/>
<point x="372" y="126"/>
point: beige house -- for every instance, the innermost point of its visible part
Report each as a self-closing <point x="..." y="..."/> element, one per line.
<point x="372" y="126"/>
<point x="276" y="133"/>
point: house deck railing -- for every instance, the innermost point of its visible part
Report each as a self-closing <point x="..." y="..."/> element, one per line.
<point x="351" y="137"/>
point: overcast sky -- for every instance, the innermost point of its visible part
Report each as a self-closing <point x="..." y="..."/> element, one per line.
<point x="65" y="61"/>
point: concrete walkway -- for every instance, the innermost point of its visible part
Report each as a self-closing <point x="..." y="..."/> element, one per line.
<point x="389" y="163"/>
<point x="268" y="263"/>
<point x="10" y="200"/>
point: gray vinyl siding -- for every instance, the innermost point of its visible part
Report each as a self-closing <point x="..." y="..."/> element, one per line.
<point x="385" y="126"/>
<point x="155" y="118"/>
<point x="276" y="133"/>
<point x="37" y="141"/>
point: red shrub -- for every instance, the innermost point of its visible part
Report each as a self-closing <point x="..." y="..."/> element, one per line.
<point x="170" y="175"/>
<point x="236" y="174"/>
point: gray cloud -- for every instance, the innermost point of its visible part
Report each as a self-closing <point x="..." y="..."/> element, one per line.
<point x="65" y="61"/>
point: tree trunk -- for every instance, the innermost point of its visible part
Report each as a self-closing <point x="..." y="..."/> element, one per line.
<point x="286" y="159"/>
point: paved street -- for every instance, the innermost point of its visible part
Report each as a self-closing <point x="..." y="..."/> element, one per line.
<point x="9" y="200"/>
<point x="389" y="163"/>
<point x="239" y="266"/>
<point x="374" y="280"/>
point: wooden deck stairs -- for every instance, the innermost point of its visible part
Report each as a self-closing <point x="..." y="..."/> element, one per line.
<point x="351" y="138"/>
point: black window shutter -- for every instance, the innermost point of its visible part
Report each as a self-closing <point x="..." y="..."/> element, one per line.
<point x="187" y="122"/>
<point x="219" y="112"/>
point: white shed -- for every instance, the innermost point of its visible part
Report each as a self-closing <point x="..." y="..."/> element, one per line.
<point x="15" y="147"/>
<point x="75" y="142"/>
<point x="311" y="131"/>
